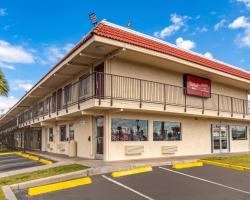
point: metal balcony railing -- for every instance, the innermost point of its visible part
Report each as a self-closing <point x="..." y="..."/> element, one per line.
<point x="112" y="87"/>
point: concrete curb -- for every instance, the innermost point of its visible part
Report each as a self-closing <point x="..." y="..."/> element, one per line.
<point x="8" y="193"/>
<point x="219" y="164"/>
<point x="50" y="180"/>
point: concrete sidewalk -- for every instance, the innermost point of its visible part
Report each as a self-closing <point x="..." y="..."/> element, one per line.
<point x="93" y="163"/>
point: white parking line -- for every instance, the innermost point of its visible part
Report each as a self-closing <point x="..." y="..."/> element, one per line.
<point x="126" y="187"/>
<point x="204" y="180"/>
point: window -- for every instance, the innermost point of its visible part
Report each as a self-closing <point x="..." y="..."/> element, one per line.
<point x="63" y="134"/>
<point x="239" y="132"/>
<point x="54" y="102"/>
<point x="59" y="99"/>
<point x="67" y="93"/>
<point x="71" y="132"/>
<point x="166" y="131"/>
<point x="84" y="86"/>
<point x="47" y="107"/>
<point x="129" y="130"/>
<point x="51" y="134"/>
<point x="40" y="105"/>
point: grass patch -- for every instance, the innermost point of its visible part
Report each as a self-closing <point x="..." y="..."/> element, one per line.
<point x="241" y="160"/>
<point x="38" y="174"/>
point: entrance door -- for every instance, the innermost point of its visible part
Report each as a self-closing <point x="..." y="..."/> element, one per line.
<point x="99" y="137"/>
<point x="99" y="81"/>
<point x="220" y="138"/>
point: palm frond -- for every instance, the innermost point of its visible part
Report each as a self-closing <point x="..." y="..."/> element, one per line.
<point x="4" y="86"/>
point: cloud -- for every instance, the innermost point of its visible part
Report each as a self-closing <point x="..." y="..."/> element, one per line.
<point x="6" y="103"/>
<point x="53" y="54"/>
<point x="68" y="47"/>
<point x="243" y="23"/>
<point x="25" y="85"/>
<point x="219" y="25"/>
<point x="240" y="22"/>
<point x="7" y="66"/>
<point x="208" y="55"/>
<point x="246" y="2"/>
<point x="177" y="22"/>
<point x="3" y="12"/>
<point x="14" y="54"/>
<point x="185" y="44"/>
<point x="201" y="29"/>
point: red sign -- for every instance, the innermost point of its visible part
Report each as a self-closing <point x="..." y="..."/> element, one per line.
<point x="197" y="86"/>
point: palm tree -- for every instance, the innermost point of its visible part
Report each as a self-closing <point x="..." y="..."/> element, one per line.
<point x="4" y="87"/>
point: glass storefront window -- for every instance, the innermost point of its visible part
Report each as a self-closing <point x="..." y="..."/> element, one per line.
<point x="166" y="131"/>
<point x="129" y="130"/>
<point x="239" y="132"/>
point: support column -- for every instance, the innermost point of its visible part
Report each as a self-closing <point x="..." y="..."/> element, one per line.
<point x="107" y="136"/>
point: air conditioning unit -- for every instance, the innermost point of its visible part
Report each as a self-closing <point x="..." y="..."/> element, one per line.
<point x="134" y="149"/>
<point x="169" y="149"/>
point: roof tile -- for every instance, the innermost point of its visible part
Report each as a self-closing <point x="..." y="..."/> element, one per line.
<point x="105" y="30"/>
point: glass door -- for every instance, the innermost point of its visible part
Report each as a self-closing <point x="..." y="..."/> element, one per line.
<point x="99" y="137"/>
<point x="219" y="138"/>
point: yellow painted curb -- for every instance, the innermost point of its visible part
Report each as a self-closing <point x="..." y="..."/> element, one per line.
<point x="33" y="158"/>
<point x="58" y="186"/>
<point x="32" y="153"/>
<point x="219" y="164"/>
<point x="131" y="171"/>
<point x="36" y="158"/>
<point x="46" y="162"/>
<point x="187" y="165"/>
<point x="7" y="153"/>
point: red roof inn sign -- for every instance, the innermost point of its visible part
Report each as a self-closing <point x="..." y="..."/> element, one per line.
<point x="197" y="86"/>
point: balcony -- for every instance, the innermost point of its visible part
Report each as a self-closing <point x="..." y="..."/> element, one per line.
<point x="108" y="90"/>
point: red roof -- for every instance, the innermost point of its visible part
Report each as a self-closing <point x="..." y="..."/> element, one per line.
<point x="113" y="32"/>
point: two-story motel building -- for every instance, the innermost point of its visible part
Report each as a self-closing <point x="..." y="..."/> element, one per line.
<point x="119" y="95"/>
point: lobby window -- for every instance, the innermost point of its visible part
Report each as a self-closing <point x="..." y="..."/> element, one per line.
<point x="239" y="132"/>
<point x="71" y="132"/>
<point x="63" y="134"/>
<point x="51" y="134"/>
<point x="166" y="131"/>
<point x="129" y="130"/>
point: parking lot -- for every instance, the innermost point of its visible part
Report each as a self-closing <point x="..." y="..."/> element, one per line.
<point x="14" y="162"/>
<point x="207" y="182"/>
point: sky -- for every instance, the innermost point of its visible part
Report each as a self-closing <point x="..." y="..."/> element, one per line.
<point x="34" y="35"/>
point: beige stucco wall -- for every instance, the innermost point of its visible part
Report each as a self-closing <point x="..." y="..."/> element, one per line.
<point x="82" y="130"/>
<point x="147" y="72"/>
<point x="196" y="138"/>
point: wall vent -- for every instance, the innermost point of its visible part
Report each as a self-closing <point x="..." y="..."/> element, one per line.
<point x="169" y="149"/>
<point x="134" y="149"/>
